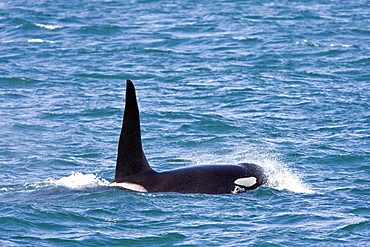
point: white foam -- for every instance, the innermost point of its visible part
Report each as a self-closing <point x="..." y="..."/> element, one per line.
<point x="237" y="190"/>
<point x="307" y="42"/>
<point x="49" y="27"/>
<point x="341" y="45"/>
<point x="40" y="41"/>
<point x="78" y="180"/>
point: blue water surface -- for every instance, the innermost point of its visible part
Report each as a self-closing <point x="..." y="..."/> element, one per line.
<point x="284" y="84"/>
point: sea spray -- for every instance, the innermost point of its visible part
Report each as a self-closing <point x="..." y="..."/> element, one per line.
<point x="280" y="175"/>
<point x="78" y="180"/>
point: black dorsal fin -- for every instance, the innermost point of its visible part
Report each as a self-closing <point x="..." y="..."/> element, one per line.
<point x="131" y="158"/>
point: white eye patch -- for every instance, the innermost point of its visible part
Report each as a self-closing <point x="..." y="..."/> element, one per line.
<point x="246" y="182"/>
<point x="129" y="186"/>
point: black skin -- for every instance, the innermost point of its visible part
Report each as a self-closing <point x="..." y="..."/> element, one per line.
<point x="133" y="167"/>
<point x="209" y="179"/>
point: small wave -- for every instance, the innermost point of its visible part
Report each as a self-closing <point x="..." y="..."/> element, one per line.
<point x="49" y="27"/>
<point x="343" y="45"/>
<point x="78" y="180"/>
<point x="40" y="41"/>
<point x="311" y="43"/>
<point x="308" y="43"/>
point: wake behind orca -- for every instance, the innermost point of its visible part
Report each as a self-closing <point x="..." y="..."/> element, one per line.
<point x="133" y="171"/>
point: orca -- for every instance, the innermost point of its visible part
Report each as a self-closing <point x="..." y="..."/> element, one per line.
<point x="134" y="173"/>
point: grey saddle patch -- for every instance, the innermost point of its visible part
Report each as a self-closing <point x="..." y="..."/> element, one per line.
<point x="129" y="186"/>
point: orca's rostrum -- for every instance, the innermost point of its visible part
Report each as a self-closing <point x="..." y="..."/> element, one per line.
<point x="133" y="171"/>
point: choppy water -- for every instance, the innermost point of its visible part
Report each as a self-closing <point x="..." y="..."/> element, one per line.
<point x="284" y="84"/>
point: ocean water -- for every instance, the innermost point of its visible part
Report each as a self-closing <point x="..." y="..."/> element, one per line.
<point x="281" y="83"/>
